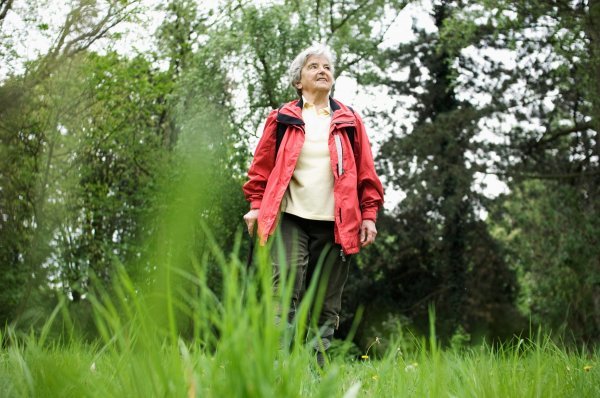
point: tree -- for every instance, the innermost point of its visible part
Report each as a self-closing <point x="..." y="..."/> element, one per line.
<point x="549" y="153"/>
<point x="262" y="41"/>
<point x="443" y="241"/>
<point x="35" y="108"/>
<point x="552" y="239"/>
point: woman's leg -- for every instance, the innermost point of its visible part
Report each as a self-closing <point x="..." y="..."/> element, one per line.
<point x="332" y="278"/>
<point x="289" y="253"/>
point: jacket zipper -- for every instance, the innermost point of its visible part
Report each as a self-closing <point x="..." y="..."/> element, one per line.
<point x="340" y="154"/>
<point x="342" y="255"/>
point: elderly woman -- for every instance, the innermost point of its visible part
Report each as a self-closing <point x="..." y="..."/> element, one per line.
<point x="313" y="176"/>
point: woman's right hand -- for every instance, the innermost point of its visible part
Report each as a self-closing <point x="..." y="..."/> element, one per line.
<point x="250" y="219"/>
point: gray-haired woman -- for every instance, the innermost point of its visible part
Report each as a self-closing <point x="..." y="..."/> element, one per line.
<point x="313" y="177"/>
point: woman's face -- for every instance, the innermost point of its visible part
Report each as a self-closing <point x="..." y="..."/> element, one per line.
<point x="316" y="76"/>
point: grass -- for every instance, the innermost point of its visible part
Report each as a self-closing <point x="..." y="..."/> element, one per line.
<point x="236" y="369"/>
<point x="233" y="350"/>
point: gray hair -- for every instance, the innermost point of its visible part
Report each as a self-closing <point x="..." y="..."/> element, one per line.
<point x="300" y="60"/>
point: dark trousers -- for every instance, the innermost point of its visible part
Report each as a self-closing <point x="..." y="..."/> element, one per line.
<point x="306" y="243"/>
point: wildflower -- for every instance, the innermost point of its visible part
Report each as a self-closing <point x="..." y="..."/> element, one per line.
<point x="366" y="354"/>
<point x="587" y="368"/>
<point x="375" y="377"/>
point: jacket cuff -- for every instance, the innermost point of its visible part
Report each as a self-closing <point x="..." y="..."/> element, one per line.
<point x="369" y="214"/>
<point x="255" y="204"/>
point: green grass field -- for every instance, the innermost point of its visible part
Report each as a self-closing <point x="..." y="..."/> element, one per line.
<point x="242" y="368"/>
<point x="178" y="338"/>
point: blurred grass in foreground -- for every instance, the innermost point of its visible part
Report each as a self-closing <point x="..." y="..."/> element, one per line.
<point x="241" y="367"/>
<point x="235" y="353"/>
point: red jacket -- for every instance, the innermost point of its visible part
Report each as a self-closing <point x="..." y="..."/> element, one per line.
<point x="357" y="191"/>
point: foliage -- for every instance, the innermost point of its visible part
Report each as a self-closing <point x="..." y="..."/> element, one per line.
<point x="32" y="176"/>
<point x="553" y="242"/>
<point x="39" y="170"/>
<point x="262" y="42"/>
<point x="542" y="58"/>
<point x="540" y="70"/>
<point x="437" y="248"/>
<point x="87" y="153"/>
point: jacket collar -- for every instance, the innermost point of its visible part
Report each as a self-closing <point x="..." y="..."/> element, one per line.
<point x="291" y="112"/>
<point x="340" y="112"/>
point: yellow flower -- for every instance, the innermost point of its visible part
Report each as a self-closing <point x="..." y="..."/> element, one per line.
<point x="587" y="368"/>
<point x="377" y="341"/>
<point x="375" y="377"/>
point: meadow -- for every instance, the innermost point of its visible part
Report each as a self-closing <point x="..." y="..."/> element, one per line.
<point x="163" y="341"/>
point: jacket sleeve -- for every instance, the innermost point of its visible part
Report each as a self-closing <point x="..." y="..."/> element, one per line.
<point x="262" y="164"/>
<point x="370" y="190"/>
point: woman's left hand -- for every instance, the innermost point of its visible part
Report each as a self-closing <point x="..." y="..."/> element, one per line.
<point x="368" y="232"/>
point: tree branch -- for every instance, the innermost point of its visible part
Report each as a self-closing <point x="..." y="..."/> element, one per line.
<point x="5" y="5"/>
<point x="352" y="13"/>
<point x="554" y="135"/>
<point x="267" y="73"/>
<point x="540" y="176"/>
